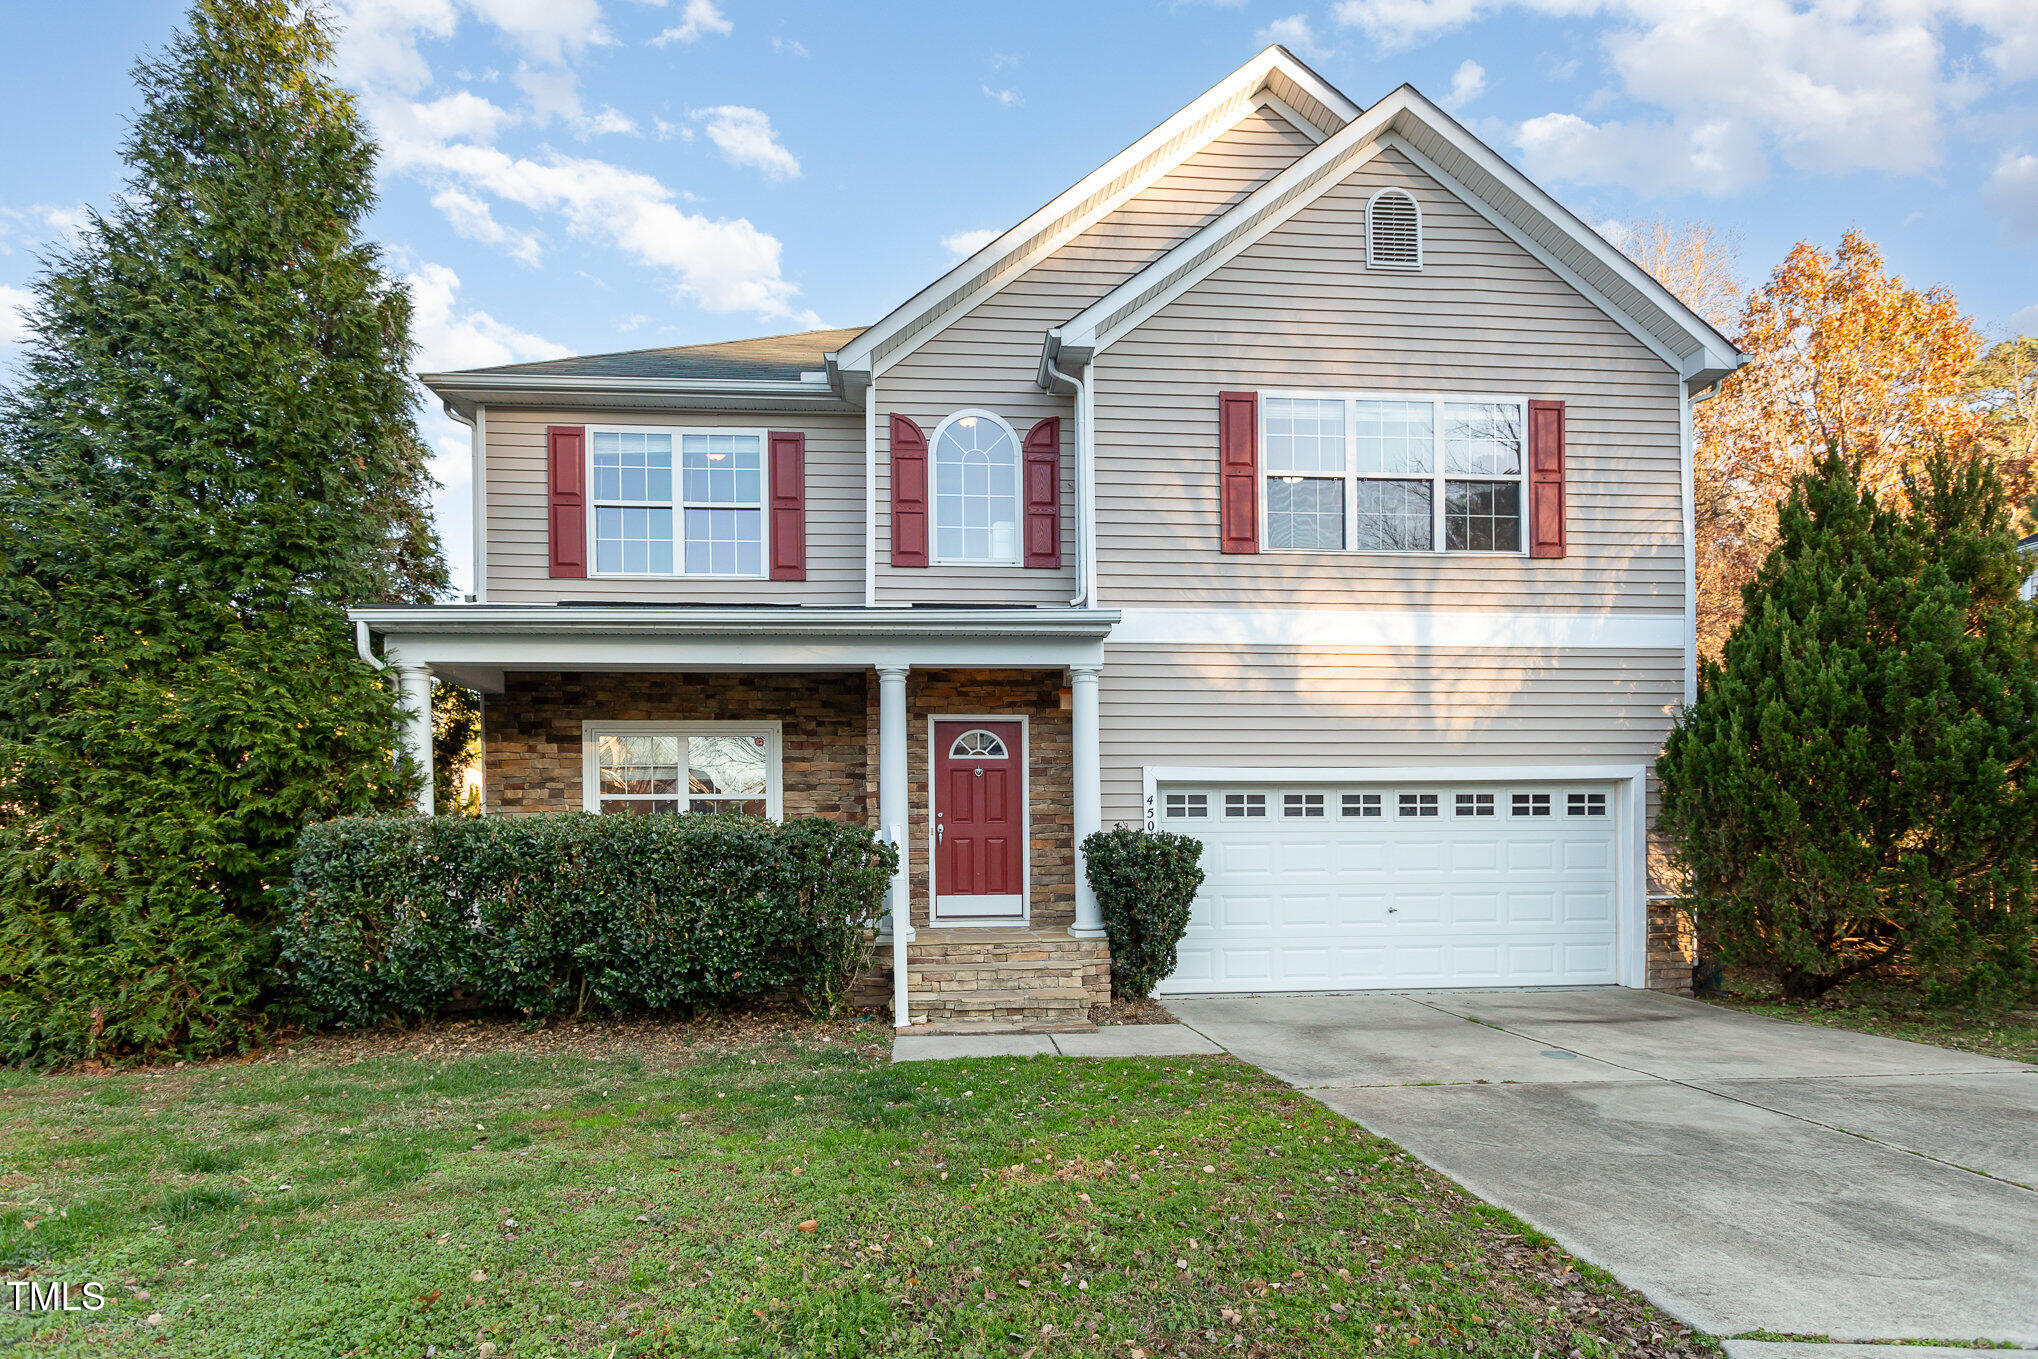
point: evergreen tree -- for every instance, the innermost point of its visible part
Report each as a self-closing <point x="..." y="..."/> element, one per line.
<point x="210" y="455"/>
<point x="1854" y="789"/>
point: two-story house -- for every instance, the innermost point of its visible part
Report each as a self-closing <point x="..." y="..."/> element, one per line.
<point x="1303" y="478"/>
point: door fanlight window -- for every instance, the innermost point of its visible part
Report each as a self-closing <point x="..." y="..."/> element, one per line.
<point x="977" y="744"/>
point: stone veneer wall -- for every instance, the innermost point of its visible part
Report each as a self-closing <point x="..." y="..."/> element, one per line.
<point x="1673" y="948"/>
<point x="531" y="732"/>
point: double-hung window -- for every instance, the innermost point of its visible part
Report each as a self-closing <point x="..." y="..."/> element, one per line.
<point x="1393" y="473"/>
<point x="642" y="768"/>
<point x="706" y="521"/>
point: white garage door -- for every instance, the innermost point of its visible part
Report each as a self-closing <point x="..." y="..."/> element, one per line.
<point x="1318" y="887"/>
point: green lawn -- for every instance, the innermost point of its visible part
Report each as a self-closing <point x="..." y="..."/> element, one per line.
<point x="1892" y="1013"/>
<point x="780" y="1190"/>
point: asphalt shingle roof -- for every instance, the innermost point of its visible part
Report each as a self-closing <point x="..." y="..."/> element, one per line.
<point x="767" y="357"/>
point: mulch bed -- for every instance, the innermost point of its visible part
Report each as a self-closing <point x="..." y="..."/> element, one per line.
<point x="1123" y="1010"/>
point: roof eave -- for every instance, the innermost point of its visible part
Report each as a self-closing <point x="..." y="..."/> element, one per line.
<point x="464" y="391"/>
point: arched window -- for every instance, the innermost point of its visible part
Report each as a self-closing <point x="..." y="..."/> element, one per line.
<point x="976" y="489"/>
<point x="1393" y="231"/>
<point x="977" y="744"/>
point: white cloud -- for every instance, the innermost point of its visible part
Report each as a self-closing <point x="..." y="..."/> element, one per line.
<point x="1402" y="23"/>
<point x="41" y="224"/>
<point x="1722" y="91"/>
<point x="790" y="46"/>
<point x="699" y="18"/>
<point x="723" y="264"/>
<point x="14" y="305"/>
<point x="471" y="217"/>
<point x="744" y="137"/>
<point x="1294" y="34"/>
<point x="2013" y="188"/>
<point x="1004" y="98"/>
<point x="450" y="339"/>
<point x="1468" y="82"/>
<point x="963" y="244"/>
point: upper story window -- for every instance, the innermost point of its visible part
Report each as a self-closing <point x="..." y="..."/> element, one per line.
<point x="707" y="522"/>
<point x="1393" y="231"/>
<point x="1393" y="473"/>
<point x="976" y="490"/>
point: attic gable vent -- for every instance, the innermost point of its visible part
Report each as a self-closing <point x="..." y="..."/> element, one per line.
<point x="1393" y="231"/>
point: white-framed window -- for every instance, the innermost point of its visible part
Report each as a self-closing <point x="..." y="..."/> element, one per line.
<point x="1188" y="806"/>
<point x="1389" y="472"/>
<point x="676" y="501"/>
<point x="1416" y="804"/>
<point x="1531" y="804"/>
<point x="1585" y="804"/>
<point x="976" y="490"/>
<point x="1393" y="231"/>
<point x="643" y="768"/>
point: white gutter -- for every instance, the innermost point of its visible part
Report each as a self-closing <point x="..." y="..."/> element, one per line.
<point x="594" y="620"/>
<point x="811" y="387"/>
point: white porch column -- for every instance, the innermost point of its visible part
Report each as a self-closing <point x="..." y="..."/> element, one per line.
<point x="415" y="682"/>
<point x="892" y="811"/>
<point x="1087" y="767"/>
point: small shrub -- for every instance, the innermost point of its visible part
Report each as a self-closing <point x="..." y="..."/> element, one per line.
<point x="404" y="917"/>
<point x="1145" y="881"/>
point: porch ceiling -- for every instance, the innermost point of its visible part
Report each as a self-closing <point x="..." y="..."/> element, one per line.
<point x="474" y="644"/>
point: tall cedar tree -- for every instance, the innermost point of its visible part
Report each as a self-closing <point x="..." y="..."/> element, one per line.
<point x="211" y="454"/>
<point x="1853" y="791"/>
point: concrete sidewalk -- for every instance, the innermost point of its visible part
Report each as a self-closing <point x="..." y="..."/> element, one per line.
<point x="1117" y="1040"/>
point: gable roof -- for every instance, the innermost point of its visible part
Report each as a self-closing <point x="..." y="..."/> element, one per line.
<point x="1274" y="76"/>
<point x="1434" y="140"/>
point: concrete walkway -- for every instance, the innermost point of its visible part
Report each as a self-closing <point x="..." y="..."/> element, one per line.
<point x="1747" y="1174"/>
<point x="1115" y="1040"/>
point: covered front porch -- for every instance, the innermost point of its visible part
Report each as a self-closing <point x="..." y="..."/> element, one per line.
<point x="967" y="735"/>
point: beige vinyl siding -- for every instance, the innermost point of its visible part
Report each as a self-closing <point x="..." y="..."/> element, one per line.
<point x="1299" y="309"/>
<point x="519" y="561"/>
<point x="988" y="357"/>
<point x="1290" y="707"/>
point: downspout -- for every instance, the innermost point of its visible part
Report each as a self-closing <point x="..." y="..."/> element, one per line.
<point x="1083" y="470"/>
<point x="870" y="493"/>
<point x="477" y="494"/>
<point x="362" y="645"/>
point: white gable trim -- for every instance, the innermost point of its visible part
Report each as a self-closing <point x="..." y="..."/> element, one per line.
<point x="1269" y="100"/>
<point x="1132" y="170"/>
<point x="1134" y="301"/>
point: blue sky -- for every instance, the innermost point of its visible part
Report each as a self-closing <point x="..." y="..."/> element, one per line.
<point x="585" y="175"/>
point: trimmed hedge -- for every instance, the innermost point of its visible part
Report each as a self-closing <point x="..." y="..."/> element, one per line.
<point x="1145" y="881"/>
<point x="404" y="917"/>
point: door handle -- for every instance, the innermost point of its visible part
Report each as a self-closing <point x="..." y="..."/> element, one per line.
<point x="937" y="830"/>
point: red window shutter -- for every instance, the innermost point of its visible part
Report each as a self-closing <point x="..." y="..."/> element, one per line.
<point x="1238" y="470"/>
<point x="909" y="493"/>
<point x="788" y="493"/>
<point x="1043" y="493"/>
<point x="1546" y="478"/>
<point x="566" y="458"/>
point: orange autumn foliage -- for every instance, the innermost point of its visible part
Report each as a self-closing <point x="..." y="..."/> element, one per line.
<point x="1841" y="352"/>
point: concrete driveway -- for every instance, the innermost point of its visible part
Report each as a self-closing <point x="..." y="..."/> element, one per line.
<point x="1745" y="1173"/>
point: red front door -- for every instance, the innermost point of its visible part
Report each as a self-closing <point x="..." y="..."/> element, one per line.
<point x="979" y="820"/>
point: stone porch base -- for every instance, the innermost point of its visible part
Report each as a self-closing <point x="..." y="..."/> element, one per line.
<point x="1005" y="978"/>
